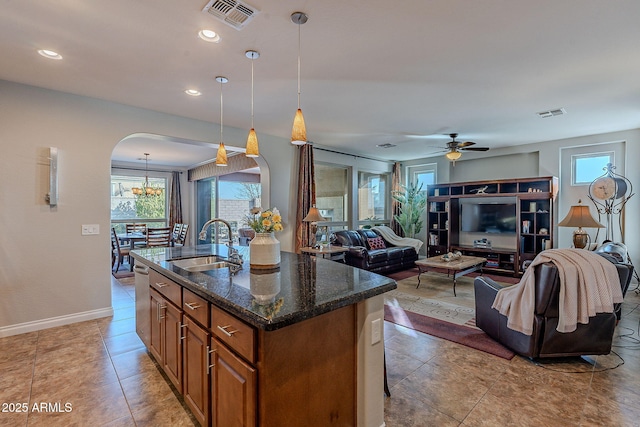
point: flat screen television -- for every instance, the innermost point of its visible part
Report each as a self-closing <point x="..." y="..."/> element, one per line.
<point x="491" y="218"/>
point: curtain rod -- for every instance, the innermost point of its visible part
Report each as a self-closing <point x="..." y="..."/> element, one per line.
<point x="353" y="155"/>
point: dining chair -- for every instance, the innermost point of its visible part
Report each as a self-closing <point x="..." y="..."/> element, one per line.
<point x="182" y="237"/>
<point x="158" y="237"/>
<point x="118" y="253"/>
<point x="175" y="233"/>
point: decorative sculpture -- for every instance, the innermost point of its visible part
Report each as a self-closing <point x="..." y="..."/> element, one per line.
<point x="609" y="193"/>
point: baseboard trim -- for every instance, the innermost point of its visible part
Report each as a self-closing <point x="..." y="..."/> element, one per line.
<point x="37" y="325"/>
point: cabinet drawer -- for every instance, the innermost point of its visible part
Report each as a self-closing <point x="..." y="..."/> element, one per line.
<point x="234" y="333"/>
<point x="167" y="287"/>
<point x="195" y="307"/>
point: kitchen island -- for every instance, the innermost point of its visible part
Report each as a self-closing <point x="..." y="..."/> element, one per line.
<point x="299" y="345"/>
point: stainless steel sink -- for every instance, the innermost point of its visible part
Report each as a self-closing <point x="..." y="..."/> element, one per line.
<point x="205" y="263"/>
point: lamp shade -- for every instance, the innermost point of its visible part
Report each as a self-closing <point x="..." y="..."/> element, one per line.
<point x="221" y="157"/>
<point x="453" y="155"/>
<point x="314" y="215"/>
<point x="252" y="144"/>
<point x="579" y="216"/>
<point x="299" y="131"/>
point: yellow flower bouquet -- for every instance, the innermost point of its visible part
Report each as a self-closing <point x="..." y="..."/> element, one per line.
<point x="264" y="221"/>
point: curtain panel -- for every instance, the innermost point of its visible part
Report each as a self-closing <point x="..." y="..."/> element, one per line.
<point x="175" y="200"/>
<point x="396" y="186"/>
<point x="306" y="196"/>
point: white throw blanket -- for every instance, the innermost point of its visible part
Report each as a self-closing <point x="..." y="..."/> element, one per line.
<point x="396" y="240"/>
<point x="589" y="284"/>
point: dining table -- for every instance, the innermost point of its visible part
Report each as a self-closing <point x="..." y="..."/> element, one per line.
<point x="132" y="238"/>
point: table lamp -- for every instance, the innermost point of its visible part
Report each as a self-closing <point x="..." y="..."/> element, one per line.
<point x="313" y="217"/>
<point x="579" y="216"/>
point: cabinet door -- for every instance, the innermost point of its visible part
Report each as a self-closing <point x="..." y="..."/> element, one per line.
<point x="233" y="389"/>
<point x="195" y="353"/>
<point x="172" y="347"/>
<point x="156" y="311"/>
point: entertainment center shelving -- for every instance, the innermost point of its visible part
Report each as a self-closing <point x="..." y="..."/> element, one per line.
<point x="534" y="212"/>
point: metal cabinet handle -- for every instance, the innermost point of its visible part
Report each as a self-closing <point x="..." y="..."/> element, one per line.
<point x="209" y="364"/>
<point x="161" y="284"/>
<point x="180" y="326"/>
<point x="224" y="330"/>
<point x="160" y="308"/>
<point x="192" y="305"/>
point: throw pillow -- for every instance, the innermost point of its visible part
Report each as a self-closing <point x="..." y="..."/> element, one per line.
<point x="376" y="243"/>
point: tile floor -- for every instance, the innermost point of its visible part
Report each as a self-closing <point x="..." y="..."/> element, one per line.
<point x="102" y="369"/>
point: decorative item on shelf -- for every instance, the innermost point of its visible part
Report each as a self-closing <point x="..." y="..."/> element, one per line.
<point x="299" y="130"/>
<point x="264" y="249"/>
<point x="543" y="231"/>
<point x="532" y="206"/>
<point x="610" y="193"/>
<point x="251" y="149"/>
<point x="313" y="217"/>
<point x="221" y="156"/>
<point x="451" y="256"/>
<point x="147" y="190"/>
<point x="482" y="243"/>
<point x="579" y="216"/>
<point x="526" y="225"/>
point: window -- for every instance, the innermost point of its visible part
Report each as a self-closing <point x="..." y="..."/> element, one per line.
<point x="373" y="198"/>
<point x="127" y="207"/>
<point x="332" y="196"/>
<point x="425" y="175"/>
<point x="587" y="167"/>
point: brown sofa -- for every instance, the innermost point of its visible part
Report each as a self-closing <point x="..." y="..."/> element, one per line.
<point x="362" y="255"/>
<point x="545" y="341"/>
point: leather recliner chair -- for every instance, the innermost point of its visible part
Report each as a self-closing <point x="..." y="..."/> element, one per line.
<point x="545" y="341"/>
<point x="361" y="255"/>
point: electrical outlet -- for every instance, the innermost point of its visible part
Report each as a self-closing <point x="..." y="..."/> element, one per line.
<point x="90" y="229"/>
<point x="376" y="331"/>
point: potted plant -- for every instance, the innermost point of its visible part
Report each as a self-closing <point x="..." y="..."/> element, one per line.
<point x="412" y="203"/>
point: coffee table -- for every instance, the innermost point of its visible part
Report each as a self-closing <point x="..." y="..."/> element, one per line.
<point x="459" y="267"/>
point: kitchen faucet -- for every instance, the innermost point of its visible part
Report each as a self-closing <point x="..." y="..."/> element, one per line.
<point x="234" y="256"/>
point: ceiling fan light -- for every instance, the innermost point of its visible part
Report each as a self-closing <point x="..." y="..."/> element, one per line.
<point x="299" y="131"/>
<point x="453" y="155"/>
<point x="221" y="157"/>
<point x="252" y="144"/>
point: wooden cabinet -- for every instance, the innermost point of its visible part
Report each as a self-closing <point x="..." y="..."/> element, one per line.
<point x="534" y="220"/>
<point x="233" y="389"/>
<point x="196" y="357"/>
<point x="165" y="326"/>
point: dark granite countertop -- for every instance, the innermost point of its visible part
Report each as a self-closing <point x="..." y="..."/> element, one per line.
<point x="303" y="287"/>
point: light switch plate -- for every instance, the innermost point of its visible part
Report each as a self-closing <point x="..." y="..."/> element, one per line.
<point x="90" y="229"/>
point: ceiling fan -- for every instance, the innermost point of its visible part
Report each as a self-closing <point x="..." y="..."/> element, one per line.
<point x="454" y="148"/>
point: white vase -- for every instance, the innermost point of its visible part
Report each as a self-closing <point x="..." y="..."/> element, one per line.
<point x="264" y="287"/>
<point x="264" y="251"/>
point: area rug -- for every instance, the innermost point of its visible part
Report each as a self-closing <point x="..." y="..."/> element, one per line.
<point x="122" y="274"/>
<point x="434" y="310"/>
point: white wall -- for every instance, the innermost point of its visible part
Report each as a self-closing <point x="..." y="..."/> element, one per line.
<point x="49" y="273"/>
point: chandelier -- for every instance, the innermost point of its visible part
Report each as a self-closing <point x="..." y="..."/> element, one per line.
<point x="147" y="190"/>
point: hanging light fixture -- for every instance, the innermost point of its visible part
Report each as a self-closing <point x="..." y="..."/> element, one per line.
<point x="221" y="156"/>
<point x="252" y="140"/>
<point x="147" y="190"/>
<point x="299" y="131"/>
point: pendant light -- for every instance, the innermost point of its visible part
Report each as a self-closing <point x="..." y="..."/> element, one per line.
<point x="221" y="157"/>
<point x="252" y="140"/>
<point x="299" y="131"/>
<point x="147" y="190"/>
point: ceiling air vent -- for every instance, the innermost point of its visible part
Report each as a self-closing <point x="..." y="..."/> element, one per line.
<point x="234" y="13"/>
<point x="551" y="113"/>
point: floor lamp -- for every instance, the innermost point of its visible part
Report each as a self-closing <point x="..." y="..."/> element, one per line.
<point x="579" y="216"/>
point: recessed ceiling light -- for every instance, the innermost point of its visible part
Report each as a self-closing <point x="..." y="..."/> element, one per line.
<point x="49" y="54"/>
<point x="193" y="92"/>
<point x="209" y="36"/>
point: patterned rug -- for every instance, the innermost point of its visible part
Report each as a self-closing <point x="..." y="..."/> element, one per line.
<point x="434" y="310"/>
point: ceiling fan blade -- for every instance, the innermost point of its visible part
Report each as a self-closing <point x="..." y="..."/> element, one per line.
<point x="465" y="144"/>
<point x="475" y="149"/>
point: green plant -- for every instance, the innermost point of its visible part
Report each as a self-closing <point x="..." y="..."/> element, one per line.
<point x="412" y="203"/>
